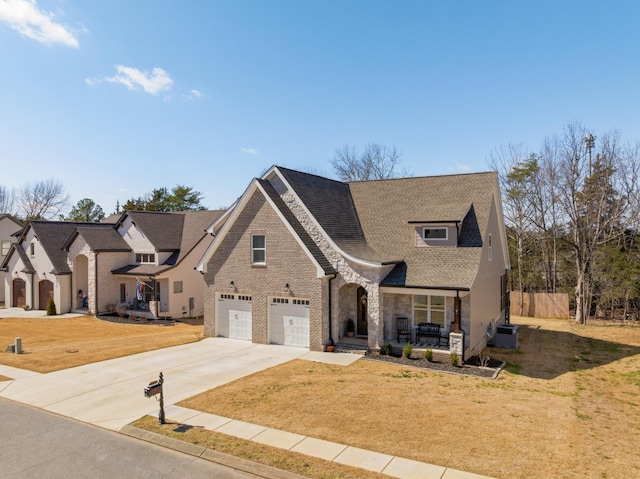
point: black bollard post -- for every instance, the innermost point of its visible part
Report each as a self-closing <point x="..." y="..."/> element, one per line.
<point x="161" y="419"/>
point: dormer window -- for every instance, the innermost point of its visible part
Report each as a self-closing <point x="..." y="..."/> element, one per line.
<point x="148" y="258"/>
<point x="435" y="233"/>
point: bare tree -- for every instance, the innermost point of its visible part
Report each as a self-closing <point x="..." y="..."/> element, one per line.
<point x="7" y="200"/>
<point x="42" y="200"/>
<point x="375" y="162"/>
<point x="598" y="196"/>
<point x="517" y="170"/>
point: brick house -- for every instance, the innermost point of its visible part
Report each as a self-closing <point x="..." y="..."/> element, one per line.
<point x="299" y="255"/>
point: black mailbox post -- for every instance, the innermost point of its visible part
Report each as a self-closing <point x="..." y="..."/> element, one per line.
<point x="153" y="389"/>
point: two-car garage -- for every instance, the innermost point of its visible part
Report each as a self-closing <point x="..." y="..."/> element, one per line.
<point x="287" y="319"/>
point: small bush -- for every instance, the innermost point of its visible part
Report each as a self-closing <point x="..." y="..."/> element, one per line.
<point x="484" y="358"/>
<point x="121" y="310"/>
<point x="389" y="349"/>
<point x="110" y="307"/>
<point x="455" y="360"/>
<point x="407" y="350"/>
<point x="51" y="307"/>
<point x="428" y="354"/>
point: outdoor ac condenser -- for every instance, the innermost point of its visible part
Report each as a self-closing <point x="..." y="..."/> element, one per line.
<point x="507" y="336"/>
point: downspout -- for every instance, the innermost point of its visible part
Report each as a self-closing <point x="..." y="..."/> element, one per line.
<point x="95" y="286"/>
<point x="331" y="342"/>
<point x="457" y="325"/>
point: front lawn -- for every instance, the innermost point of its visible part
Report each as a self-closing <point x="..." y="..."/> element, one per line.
<point x="567" y="405"/>
<point x="52" y="343"/>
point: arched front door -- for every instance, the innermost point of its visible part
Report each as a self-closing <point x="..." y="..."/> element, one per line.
<point x="45" y="292"/>
<point x="361" y="325"/>
<point x="19" y="293"/>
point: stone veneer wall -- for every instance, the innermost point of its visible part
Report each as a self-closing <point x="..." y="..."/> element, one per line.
<point x="368" y="278"/>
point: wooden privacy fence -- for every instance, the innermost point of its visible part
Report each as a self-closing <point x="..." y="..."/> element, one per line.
<point x="540" y="305"/>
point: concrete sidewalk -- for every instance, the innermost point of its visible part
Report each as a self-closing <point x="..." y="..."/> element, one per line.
<point x="109" y="394"/>
<point x="329" y="451"/>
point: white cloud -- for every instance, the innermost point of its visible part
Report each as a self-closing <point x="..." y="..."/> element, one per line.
<point x="152" y="82"/>
<point x="26" y="17"/>
<point x="192" y="95"/>
<point x="250" y="151"/>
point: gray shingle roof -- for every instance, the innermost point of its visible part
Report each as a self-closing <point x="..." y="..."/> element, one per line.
<point x="53" y="236"/>
<point x="372" y="220"/>
<point x="100" y="237"/>
<point x="298" y="228"/>
<point x="178" y="232"/>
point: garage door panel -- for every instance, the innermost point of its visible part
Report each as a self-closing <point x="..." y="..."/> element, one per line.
<point x="289" y="322"/>
<point x="234" y="317"/>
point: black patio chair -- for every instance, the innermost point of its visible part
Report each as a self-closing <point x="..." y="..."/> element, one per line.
<point x="402" y="328"/>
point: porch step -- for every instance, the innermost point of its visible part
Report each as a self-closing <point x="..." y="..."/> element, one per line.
<point x="350" y="348"/>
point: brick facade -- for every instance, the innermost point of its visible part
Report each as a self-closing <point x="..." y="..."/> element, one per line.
<point x="286" y="262"/>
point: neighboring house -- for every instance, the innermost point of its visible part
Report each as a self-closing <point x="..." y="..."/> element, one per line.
<point x="9" y="226"/>
<point x="36" y="266"/>
<point x="146" y="255"/>
<point x="298" y="255"/>
<point x="145" y="262"/>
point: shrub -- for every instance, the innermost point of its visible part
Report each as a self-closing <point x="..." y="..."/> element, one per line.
<point x="51" y="307"/>
<point x="455" y="360"/>
<point x="428" y="354"/>
<point x="110" y="307"/>
<point x="121" y="310"/>
<point x="407" y="350"/>
<point x="389" y="348"/>
<point x="484" y="358"/>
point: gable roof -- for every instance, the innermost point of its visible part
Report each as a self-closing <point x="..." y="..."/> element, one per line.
<point x="7" y="216"/>
<point x="99" y="237"/>
<point x="176" y="232"/>
<point x="373" y="221"/>
<point x="53" y="236"/>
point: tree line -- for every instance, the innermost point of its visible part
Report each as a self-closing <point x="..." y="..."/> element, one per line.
<point x="572" y="215"/>
<point x="48" y="200"/>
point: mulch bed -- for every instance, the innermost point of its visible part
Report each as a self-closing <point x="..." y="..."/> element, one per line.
<point x="471" y="366"/>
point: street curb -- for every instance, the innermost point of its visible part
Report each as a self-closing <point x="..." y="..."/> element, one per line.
<point x="259" y="470"/>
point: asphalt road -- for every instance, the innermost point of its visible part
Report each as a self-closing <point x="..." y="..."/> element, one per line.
<point x="38" y="444"/>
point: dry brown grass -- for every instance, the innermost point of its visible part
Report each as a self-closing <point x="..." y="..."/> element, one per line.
<point x="567" y="405"/>
<point x="54" y="343"/>
<point x="252" y="451"/>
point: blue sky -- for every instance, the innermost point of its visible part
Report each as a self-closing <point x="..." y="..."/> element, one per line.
<point x="117" y="97"/>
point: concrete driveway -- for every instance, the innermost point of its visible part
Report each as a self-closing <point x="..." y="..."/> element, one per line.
<point x="31" y="313"/>
<point x="110" y="393"/>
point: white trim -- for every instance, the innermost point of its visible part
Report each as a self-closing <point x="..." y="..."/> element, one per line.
<point x="424" y="291"/>
<point x="429" y="228"/>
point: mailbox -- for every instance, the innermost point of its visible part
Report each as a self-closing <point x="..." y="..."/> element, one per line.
<point x="152" y="389"/>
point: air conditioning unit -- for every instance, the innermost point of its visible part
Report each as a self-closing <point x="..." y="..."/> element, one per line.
<point x="507" y="336"/>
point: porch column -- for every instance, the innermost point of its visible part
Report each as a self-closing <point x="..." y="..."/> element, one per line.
<point x="375" y="323"/>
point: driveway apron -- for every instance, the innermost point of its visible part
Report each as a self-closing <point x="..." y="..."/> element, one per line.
<point x="110" y="393"/>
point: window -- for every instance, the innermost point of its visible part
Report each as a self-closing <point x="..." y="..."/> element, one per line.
<point x="258" y="249"/>
<point x="5" y="247"/>
<point x="435" y="233"/>
<point x="145" y="258"/>
<point x="123" y="293"/>
<point x="428" y="309"/>
<point x="177" y="287"/>
<point x="32" y="249"/>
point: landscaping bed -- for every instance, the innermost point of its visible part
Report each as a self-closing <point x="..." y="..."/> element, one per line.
<point x="471" y="367"/>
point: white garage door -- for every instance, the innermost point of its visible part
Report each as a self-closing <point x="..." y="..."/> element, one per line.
<point x="289" y="322"/>
<point x="233" y="316"/>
